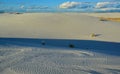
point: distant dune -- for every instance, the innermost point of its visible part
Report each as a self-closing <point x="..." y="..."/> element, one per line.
<point x="106" y="16"/>
<point x="110" y="15"/>
<point x="59" y="26"/>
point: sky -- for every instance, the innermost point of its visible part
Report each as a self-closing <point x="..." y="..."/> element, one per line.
<point x="58" y="4"/>
<point x="46" y="2"/>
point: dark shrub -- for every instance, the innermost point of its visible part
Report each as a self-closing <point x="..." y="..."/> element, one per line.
<point x="43" y="42"/>
<point x="71" y="46"/>
<point x="103" y="19"/>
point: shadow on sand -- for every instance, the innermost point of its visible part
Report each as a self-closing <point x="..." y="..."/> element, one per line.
<point x="111" y="48"/>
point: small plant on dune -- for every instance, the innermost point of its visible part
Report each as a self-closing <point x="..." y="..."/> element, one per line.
<point x="43" y="42"/>
<point x="71" y="46"/>
<point x="103" y="19"/>
<point x="92" y="35"/>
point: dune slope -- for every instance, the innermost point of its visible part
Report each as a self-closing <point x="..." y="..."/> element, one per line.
<point x="59" y="43"/>
<point x="29" y="56"/>
<point x="58" y="25"/>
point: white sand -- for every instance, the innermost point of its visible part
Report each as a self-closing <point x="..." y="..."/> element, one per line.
<point x="56" y="61"/>
<point x="108" y="15"/>
<point x="23" y="57"/>
<point x="58" y="25"/>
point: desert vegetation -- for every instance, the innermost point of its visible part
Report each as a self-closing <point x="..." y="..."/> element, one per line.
<point x="109" y="19"/>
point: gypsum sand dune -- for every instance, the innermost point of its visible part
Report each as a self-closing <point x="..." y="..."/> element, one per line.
<point x="20" y="57"/>
<point x="115" y="17"/>
<point x="29" y="56"/>
<point x="58" y="26"/>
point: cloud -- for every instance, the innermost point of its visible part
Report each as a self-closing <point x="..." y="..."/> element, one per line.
<point x="22" y="6"/>
<point x="99" y="6"/>
<point x="108" y="10"/>
<point x="108" y="5"/>
<point x="69" y="5"/>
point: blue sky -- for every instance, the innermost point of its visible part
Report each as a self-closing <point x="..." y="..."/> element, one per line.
<point x="16" y="4"/>
<point x="52" y="3"/>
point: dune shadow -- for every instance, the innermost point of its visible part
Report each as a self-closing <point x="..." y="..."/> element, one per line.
<point x="111" y="48"/>
<point x="97" y="35"/>
<point x="114" y="71"/>
<point x="92" y="72"/>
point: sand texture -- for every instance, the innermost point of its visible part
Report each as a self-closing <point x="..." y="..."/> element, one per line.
<point x="59" y="43"/>
<point x="58" y="25"/>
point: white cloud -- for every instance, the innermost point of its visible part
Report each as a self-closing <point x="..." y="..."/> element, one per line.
<point x="22" y="6"/>
<point x="69" y="5"/>
<point x="108" y="9"/>
<point x="92" y="6"/>
<point x="108" y="5"/>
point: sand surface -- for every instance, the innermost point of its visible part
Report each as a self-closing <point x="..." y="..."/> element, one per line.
<point x="109" y="15"/>
<point x="59" y="25"/>
<point x="59" y="43"/>
<point x="50" y="60"/>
